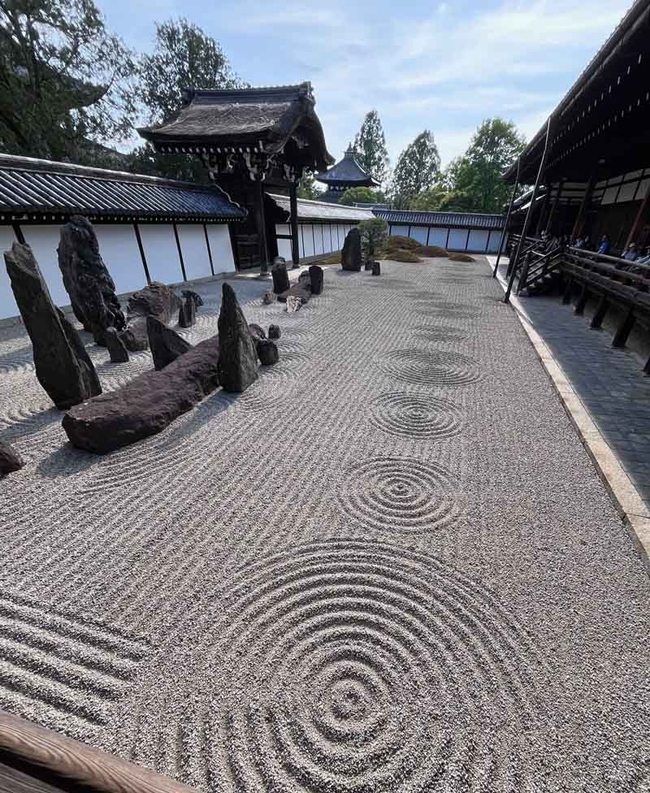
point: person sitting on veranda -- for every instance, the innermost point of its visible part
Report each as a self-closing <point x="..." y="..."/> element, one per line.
<point x="645" y="258"/>
<point x="631" y="254"/>
<point x="604" y="245"/>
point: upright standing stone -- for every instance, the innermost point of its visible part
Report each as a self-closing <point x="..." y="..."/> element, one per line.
<point x="10" y="460"/>
<point x="376" y="268"/>
<point x="316" y="278"/>
<point x="187" y="313"/>
<point x="274" y="331"/>
<point x="166" y="345"/>
<point x="237" y="354"/>
<point x="267" y="352"/>
<point x="280" y="278"/>
<point x="156" y="300"/>
<point x="351" y="254"/>
<point x="87" y="281"/>
<point x="62" y="364"/>
<point x="115" y="346"/>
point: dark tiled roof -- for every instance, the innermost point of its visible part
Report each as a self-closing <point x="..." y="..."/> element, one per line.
<point x="347" y="171"/>
<point x="443" y="219"/>
<point x="321" y="210"/>
<point x="41" y="187"/>
<point x="243" y="119"/>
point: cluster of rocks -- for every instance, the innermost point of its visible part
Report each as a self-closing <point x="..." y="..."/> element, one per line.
<point x="309" y="283"/>
<point x="352" y="254"/>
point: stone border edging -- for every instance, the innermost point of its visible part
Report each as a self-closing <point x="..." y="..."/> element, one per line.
<point x="626" y="498"/>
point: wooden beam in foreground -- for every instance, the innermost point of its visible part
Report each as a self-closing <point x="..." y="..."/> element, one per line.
<point x="53" y="761"/>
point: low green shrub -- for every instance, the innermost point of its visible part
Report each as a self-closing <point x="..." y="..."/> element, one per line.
<point x="461" y="257"/>
<point x="401" y="255"/>
<point x="434" y="252"/>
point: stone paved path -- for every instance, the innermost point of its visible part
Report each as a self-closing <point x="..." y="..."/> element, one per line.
<point x="610" y="382"/>
<point x="389" y="566"/>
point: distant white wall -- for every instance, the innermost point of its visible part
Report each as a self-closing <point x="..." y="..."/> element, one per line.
<point x="494" y="241"/>
<point x="195" y="250"/>
<point x="8" y="307"/>
<point x="419" y="233"/>
<point x="161" y="252"/>
<point x="44" y="242"/>
<point x="478" y="240"/>
<point x="457" y="240"/>
<point x="221" y="248"/>
<point x="438" y="237"/>
<point x="308" y="236"/>
<point x="119" y="248"/>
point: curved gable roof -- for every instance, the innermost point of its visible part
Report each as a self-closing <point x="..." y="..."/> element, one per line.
<point x="348" y="171"/>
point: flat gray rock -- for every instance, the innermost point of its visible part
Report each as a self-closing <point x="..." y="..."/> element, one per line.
<point x="10" y="460"/>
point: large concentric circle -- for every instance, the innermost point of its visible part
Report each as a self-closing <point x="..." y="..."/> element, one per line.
<point x="431" y="367"/>
<point x="439" y="333"/>
<point x="416" y="416"/>
<point x="354" y="666"/>
<point x="400" y="495"/>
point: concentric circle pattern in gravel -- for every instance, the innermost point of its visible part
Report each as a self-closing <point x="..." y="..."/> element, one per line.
<point x="435" y="367"/>
<point x="395" y="494"/>
<point x="416" y="415"/>
<point x="360" y="655"/>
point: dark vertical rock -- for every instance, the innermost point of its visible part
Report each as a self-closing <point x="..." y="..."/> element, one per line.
<point x="87" y="280"/>
<point x="237" y="354"/>
<point x="62" y="364"/>
<point x="376" y="268"/>
<point x="351" y="253"/>
<point x="195" y="297"/>
<point x="256" y="331"/>
<point x="115" y="346"/>
<point x="165" y="344"/>
<point x="274" y="331"/>
<point x="187" y="313"/>
<point x="156" y="300"/>
<point x="267" y="352"/>
<point x="280" y="278"/>
<point x="10" y="460"/>
<point x="316" y="278"/>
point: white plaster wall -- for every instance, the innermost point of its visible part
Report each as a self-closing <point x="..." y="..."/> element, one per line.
<point x="282" y="228"/>
<point x="161" y="253"/>
<point x="195" y="250"/>
<point x="438" y="237"/>
<point x="319" y="233"/>
<point x="119" y="248"/>
<point x="494" y="242"/>
<point x="419" y="233"/>
<point x="457" y="239"/>
<point x="44" y="242"/>
<point x="284" y="249"/>
<point x="8" y="307"/>
<point x="221" y="248"/>
<point x="478" y="240"/>
<point x="308" y="237"/>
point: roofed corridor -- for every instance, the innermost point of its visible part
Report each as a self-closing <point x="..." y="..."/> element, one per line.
<point x="390" y="564"/>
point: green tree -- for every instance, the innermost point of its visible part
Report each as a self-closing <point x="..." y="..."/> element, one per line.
<point x="307" y="187"/>
<point x="370" y="147"/>
<point x="373" y="235"/>
<point x="417" y="169"/>
<point x="429" y="200"/>
<point x="63" y="80"/>
<point x="184" y="56"/>
<point x="360" y="195"/>
<point x="477" y="174"/>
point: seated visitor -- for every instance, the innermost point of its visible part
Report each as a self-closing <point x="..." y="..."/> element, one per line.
<point x="645" y="259"/>
<point x="604" y="245"/>
<point x="631" y="253"/>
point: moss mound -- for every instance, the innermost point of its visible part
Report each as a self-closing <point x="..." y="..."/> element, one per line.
<point x="334" y="259"/>
<point x="434" y="252"/>
<point x="402" y="243"/>
<point x="461" y="257"/>
<point x="401" y="255"/>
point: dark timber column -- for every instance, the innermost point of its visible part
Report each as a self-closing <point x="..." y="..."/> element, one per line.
<point x="554" y="207"/>
<point x="579" y="225"/>
<point x="542" y="215"/>
<point x="260" y="222"/>
<point x="642" y="216"/>
<point x="293" y="208"/>
<point x="504" y="234"/>
<point x="550" y="125"/>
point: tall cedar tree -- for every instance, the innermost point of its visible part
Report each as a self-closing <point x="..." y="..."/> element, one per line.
<point x="63" y="81"/>
<point x="417" y="169"/>
<point x="370" y="147"/>
<point x="475" y="178"/>
<point x="184" y="57"/>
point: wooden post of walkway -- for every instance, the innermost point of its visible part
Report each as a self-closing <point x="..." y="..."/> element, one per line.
<point x="581" y="217"/>
<point x="504" y="235"/>
<point x="642" y="216"/>
<point x="541" y="220"/>
<point x="554" y="206"/>
<point x="550" y="125"/>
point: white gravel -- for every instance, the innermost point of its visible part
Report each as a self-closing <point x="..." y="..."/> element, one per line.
<point x="388" y="566"/>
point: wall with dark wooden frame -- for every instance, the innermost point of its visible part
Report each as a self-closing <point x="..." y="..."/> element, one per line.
<point x="471" y="240"/>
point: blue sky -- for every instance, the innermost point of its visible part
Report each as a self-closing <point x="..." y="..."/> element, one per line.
<point x="442" y="65"/>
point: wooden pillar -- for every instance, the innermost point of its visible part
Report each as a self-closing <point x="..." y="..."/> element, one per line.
<point x="543" y="211"/>
<point x="554" y="206"/>
<point x="293" y="208"/>
<point x="579" y="225"/>
<point x="550" y="125"/>
<point x="260" y="222"/>
<point x="642" y="217"/>
<point x="504" y="235"/>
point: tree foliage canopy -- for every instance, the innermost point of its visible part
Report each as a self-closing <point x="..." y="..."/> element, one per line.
<point x="475" y="178"/>
<point x="370" y="147"/>
<point x="63" y="80"/>
<point x="417" y="169"/>
<point x="359" y="195"/>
